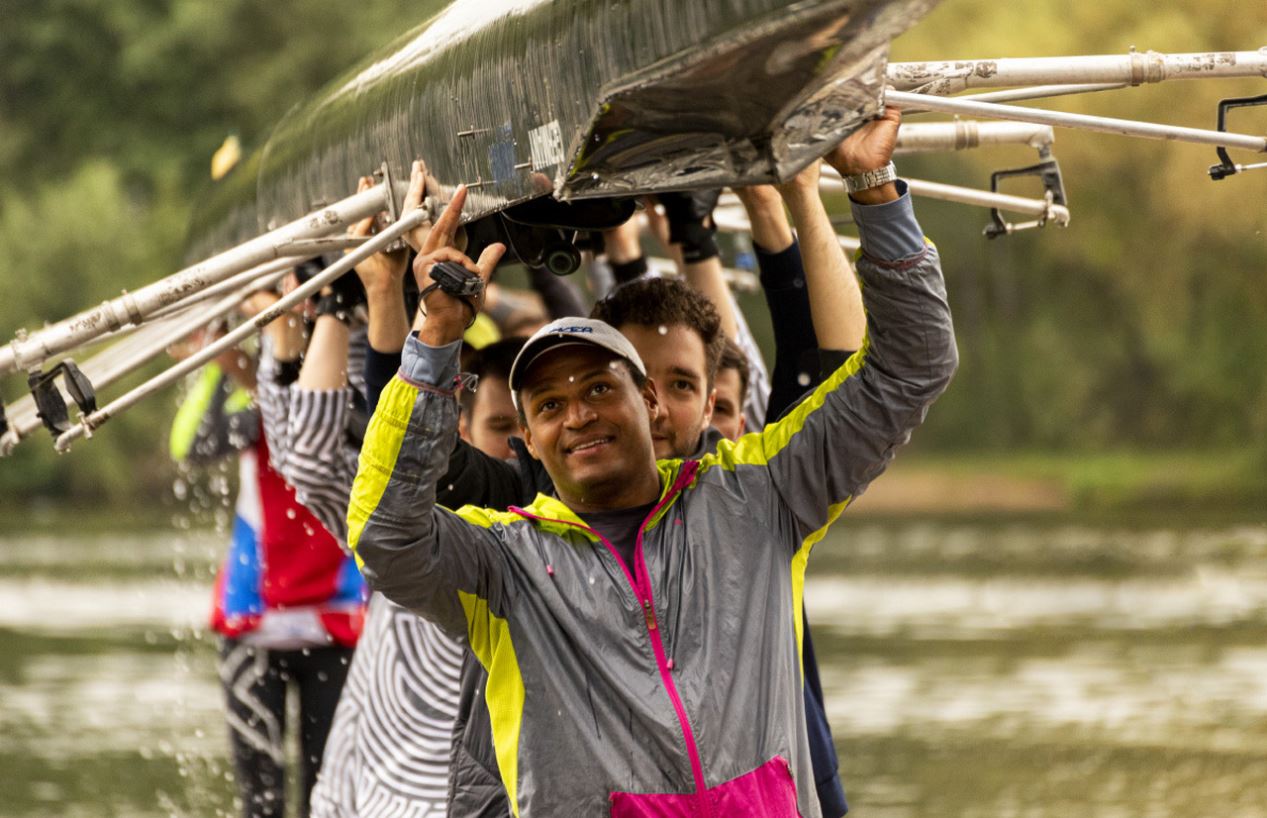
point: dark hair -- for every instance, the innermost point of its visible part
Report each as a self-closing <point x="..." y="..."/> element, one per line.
<point x="492" y="361"/>
<point x="660" y="302"/>
<point x="732" y="357"/>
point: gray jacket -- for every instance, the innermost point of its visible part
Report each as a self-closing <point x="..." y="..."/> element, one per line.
<point x="673" y="683"/>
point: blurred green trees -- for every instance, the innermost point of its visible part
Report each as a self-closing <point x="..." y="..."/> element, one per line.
<point x="1143" y="325"/>
<point x="1140" y="326"/>
<point x="111" y="111"/>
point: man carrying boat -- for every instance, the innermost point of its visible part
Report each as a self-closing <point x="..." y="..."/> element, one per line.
<point x="641" y="630"/>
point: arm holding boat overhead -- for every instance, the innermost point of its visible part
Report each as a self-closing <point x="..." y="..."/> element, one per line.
<point x="691" y="234"/>
<point x="783" y="285"/>
<point x="472" y="477"/>
<point x="446" y="567"/>
<point x="841" y="437"/>
<point x="318" y="458"/>
<point x="383" y="276"/>
<point x="834" y="298"/>
<point x="418" y="555"/>
<point x="318" y="442"/>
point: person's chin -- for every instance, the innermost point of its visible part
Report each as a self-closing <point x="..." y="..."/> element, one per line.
<point x="596" y="478"/>
<point x="663" y="448"/>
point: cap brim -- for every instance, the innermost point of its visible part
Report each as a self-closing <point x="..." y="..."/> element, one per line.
<point x="544" y="345"/>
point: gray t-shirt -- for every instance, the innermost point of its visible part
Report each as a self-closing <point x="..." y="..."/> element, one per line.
<point x="620" y="528"/>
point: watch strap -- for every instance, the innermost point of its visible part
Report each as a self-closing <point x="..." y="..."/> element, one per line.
<point x="435" y="285"/>
<point x="871" y="178"/>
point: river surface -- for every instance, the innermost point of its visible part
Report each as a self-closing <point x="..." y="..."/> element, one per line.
<point x="997" y="668"/>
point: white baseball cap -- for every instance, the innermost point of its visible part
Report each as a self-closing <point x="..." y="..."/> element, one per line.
<point x="570" y="332"/>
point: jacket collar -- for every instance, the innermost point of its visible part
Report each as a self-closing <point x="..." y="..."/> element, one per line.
<point x="552" y="514"/>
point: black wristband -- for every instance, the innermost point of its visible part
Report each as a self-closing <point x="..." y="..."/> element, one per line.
<point x="333" y="304"/>
<point x="700" y="247"/>
<point x="287" y="372"/>
<point x="629" y="270"/>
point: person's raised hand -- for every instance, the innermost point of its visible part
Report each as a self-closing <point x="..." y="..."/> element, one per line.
<point x="868" y="148"/>
<point x="445" y="232"/>
<point x="762" y="195"/>
<point x="305" y="308"/>
<point x="256" y="303"/>
<point x="415" y="197"/>
<point x="805" y="182"/>
<point x="446" y="315"/>
<point x="767" y="221"/>
<point x="383" y="271"/>
<point x="190" y="344"/>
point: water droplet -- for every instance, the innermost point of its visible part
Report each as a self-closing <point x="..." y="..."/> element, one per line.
<point x="290" y="514"/>
<point x="181" y="489"/>
<point x="571" y="379"/>
<point x="306" y="652"/>
<point x="803" y="379"/>
<point x="322" y="676"/>
<point x="591" y="580"/>
<point x="450" y="487"/>
<point x="662" y="329"/>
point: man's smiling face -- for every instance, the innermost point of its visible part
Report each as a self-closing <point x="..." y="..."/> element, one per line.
<point x="589" y="423"/>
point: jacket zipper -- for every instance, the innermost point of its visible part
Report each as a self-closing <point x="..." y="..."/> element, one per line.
<point x="642" y="592"/>
<point x="649" y="614"/>
<point x="684" y="477"/>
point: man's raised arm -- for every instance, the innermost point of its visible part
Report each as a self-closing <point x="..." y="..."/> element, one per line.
<point x="418" y="555"/>
<point x="843" y="435"/>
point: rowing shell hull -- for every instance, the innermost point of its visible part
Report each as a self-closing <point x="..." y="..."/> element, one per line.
<point x="578" y="99"/>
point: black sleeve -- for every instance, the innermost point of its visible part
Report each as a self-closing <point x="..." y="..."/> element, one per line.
<point x="379" y="369"/>
<point x="476" y="479"/>
<point x="560" y="296"/>
<point x="829" y="360"/>
<point x="817" y="364"/>
<point x="629" y="271"/>
<point x="786" y="294"/>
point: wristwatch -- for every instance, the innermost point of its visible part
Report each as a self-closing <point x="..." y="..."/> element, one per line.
<point x="870" y="179"/>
